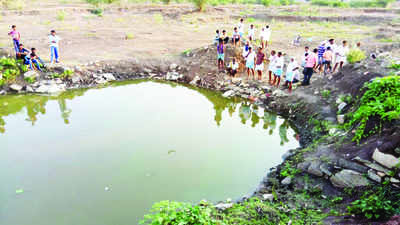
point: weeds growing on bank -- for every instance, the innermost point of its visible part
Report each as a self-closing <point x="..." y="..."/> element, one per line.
<point x="379" y="104"/>
<point x="10" y="68"/>
<point x="252" y="211"/>
<point x="355" y="55"/>
<point x="353" y="3"/>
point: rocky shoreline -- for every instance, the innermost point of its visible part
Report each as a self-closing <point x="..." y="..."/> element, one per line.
<point x="327" y="155"/>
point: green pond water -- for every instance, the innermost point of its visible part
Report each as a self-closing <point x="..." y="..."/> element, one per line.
<point x="104" y="156"/>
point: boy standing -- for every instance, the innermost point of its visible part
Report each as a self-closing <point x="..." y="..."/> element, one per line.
<point x="279" y="68"/>
<point x="271" y="66"/>
<point x="328" y="60"/>
<point x="311" y="62"/>
<point x="321" y="51"/>
<point x="217" y="36"/>
<point x="251" y="33"/>
<point x="241" y="27"/>
<point x="16" y="36"/>
<point x="260" y="62"/>
<point x="54" y="40"/>
<point x="251" y="56"/>
<point x="291" y="72"/>
<point x="341" y="55"/>
<point x="267" y="35"/>
<point x="220" y="55"/>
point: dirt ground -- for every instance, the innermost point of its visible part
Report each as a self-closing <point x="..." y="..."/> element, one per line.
<point x="159" y="31"/>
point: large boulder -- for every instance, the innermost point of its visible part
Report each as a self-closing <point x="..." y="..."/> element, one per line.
<point x="16" y="87"/>
<point x="108" y="76"/>
<point x="173" y="76"/>
<point x="349" y="178"/>
<point x="229" y="93"/>
<point x="386" y="160"/>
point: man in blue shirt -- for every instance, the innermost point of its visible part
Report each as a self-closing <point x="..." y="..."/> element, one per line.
<point x="22" y="53"/>
<point x="321" y="51"/>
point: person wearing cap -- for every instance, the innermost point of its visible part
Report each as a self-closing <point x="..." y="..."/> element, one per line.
<point x="54" y="40"/>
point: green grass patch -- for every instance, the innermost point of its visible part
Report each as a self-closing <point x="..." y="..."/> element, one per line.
<point x="355" y="55"/>
<point x="10" y="68"/>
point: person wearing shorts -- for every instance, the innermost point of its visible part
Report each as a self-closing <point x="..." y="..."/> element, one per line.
<point x="321" y="51"/>
<point x="252" y="33"/>
<point x="271" y="66"/>
<point x="241" y="27"/>
<point x="16" y="36"/>
<point x="233" y="67"/>
<point x="260" y="62"/>
<point x="328" y="55"/>
<point x="278" y="69"/>
<point x="221" y="54"/>
<point x="341" y="55"/>
<point x="291" y="72"/>
<point x="235" y="37"/>
<point x="251" y="56"/>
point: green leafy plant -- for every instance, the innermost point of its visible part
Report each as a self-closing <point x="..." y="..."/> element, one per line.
<point x="355" y="55"/>
<point x="98" y="2"/>
<point x="64" y="75"/>
<point x="395" y="65"/>
<point x="96" y="11"/>
<point x="267" y="2"/>
<point x="381" y="101"/>
<point x="326" y="93"/>
<point x="10" y="68"/>
<point x="378" y="203"/>
<point x="288" y="170"/>
<point x="169" y="212"/>
<point x="30" y="80"/>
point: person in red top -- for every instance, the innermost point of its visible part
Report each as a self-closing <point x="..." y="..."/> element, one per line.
<point x="260" y="62"/>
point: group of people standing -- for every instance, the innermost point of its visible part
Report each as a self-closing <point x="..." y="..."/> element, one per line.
<point x="327" y="58"/>
<point x="31" y="58"/>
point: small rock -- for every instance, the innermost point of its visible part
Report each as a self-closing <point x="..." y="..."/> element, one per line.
<point x="236" y="80"/>
<point x="31" y="74"/>
<point x="173" y="76"/>
<point x="332" y="131"/>
<point x="223" y="206"/>
<point x="314" y="168"/>
<point x="29" y="89"/>
<point x="340" y="119"/>
<point x="195" y="81"/>
<point x="16" y="87"/>
<point x="341" y="106"/>
<point x="381" y="174"/>
<point x="279" y="93"/>
<point x="286" y="181"/>
<point x="108" y="76"/>
<point x="373" y="176"/>
<point x="386" y="160"/>
<point x="397" y="150"/>
<point x="228" y="94"/>
<point x="325" y="168"/>
<point x="75" y="79"/>
<point x="173" y="66"/>
<point x="394" y="180"/>
<point x="269" y="197"/>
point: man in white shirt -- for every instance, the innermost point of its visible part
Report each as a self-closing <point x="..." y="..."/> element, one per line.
<point x="54" y="40"/>
<point x="271" y="66"/>
<point x="333" y="46"/>
<point x="266" y="36"/>
<point x="292" y="72"/>
<point x="341" y="55"/>
<point x="252" y="32"/>
<point x="233" y="67"/>
<point x="241" y="27"/>
<point x="279" y="62"/>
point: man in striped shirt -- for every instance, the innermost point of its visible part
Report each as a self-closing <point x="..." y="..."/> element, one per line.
<point x="321" y="51"/>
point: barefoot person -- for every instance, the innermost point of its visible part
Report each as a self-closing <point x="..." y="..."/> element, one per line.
<point x="271" y="66"/>
<point x="267" y="36"/>
<point x="341" y="55"/>
<point x="224" y="37"/>
<point x="35" y="60"/>
<point x="236" y="37"/>
<point x="220" y="54"/>
<point x="321" y="51"/>
<point x="233" y="67"/>
<point x="54" y="40"/>
<point x="22" y="54"/>
<point x="278" y="69"/>
<point x="251" y="56"/>
<point x="260" y="62"/>
<point x="217" y="36"/>
<point x="241" y="27"/>
<point x="16" y="36"/>
<point x="291" y="72"/>
<point x="328" y="55"/>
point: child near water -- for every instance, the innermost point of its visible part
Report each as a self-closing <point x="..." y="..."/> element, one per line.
<point x="221" y="55"/>
<point x="291" y="72"/>
<point x="271" y="66"/>
<point x="250" y="59"/>
<point x="251" y="33"/>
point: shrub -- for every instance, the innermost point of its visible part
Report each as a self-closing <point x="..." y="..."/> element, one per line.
<point x="61" y="15"/>
<point x="286" y="2"/>
<point x="266" y="2"/>
<point x="355" y="55"/>
<point x="330" y="3"/>
<point x="12" y="4"/>
<point x="395" y="66"/>
<point x="378" y="203"/>
<point x="166" y="2"/>
<point x="200" y="4"/>
<point x="289" y="171"/>
<point x="381" y="102"/>
<point x="370" y="3"/>
<point x="10" y="69"/>
<point x="167" y="212"/>
<point x="97" y="11"/>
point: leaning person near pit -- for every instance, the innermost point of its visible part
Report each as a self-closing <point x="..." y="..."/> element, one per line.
<point x="260" y="62"/>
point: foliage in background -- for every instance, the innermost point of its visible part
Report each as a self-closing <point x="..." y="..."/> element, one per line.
<point x="98" y="2"/>
<point x="10" y="68"/>
<point x="12" y="4"/>
<point x="200" y="4"/>
<point x="380" y="102"/>
<point x="353" y="3"/>
<point x="355" y="55"/>
<point x="288" y="170"/>
<point x="252" y="211"/>
<point x="61" y="15"/>
<point x="64" y="75"/>
<point x="381" y="202"/>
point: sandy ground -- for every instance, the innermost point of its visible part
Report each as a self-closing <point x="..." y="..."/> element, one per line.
<point x="158" y="31"/>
